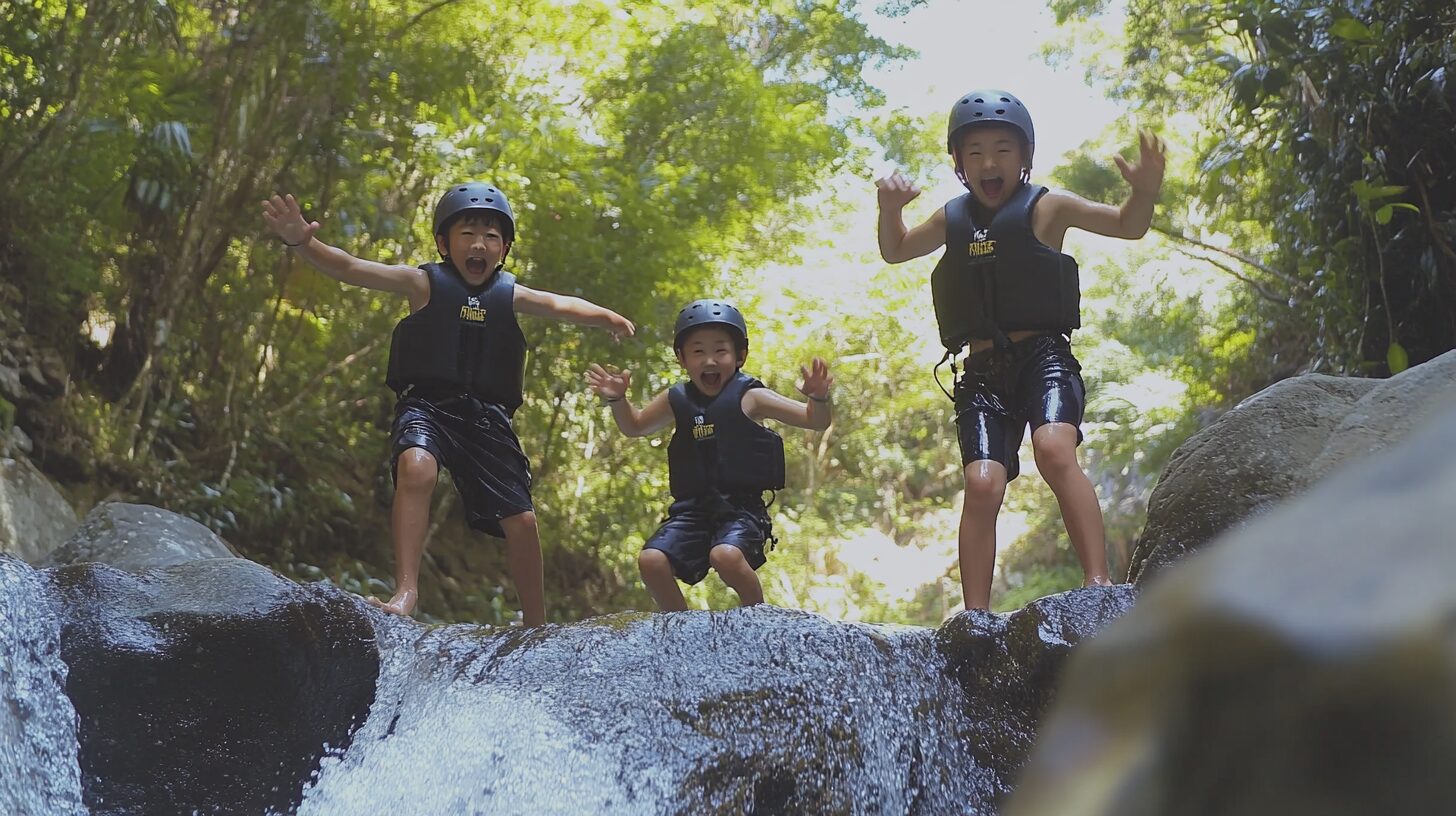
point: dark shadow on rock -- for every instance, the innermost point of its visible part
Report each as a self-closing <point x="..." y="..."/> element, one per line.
<point x="213" y="686"/>
<point x="1010" y="666"/>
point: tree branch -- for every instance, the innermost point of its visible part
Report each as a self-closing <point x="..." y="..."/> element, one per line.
<point x="332" y="369"/>
<point x="1431" y="222"/>
<point x="420" y="15"/>
<point x="1263" y="291"/>
<point x="1238" y="256"/>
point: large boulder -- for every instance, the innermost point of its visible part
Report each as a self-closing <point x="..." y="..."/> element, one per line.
<point x="34" y="517"/>
<point x="758" y="710"/>
<point x="1304" y="665"/>
<point x="1276" y="445"/>
<point x="214" y="686"/>
<point x="138" y="537"/>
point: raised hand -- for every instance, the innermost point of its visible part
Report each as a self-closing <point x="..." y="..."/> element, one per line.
<point x="895" y="191"/>
<point x="619" y="326"/>
<point x="1145" y="176"/>
<point x="816" y="382"/>
<point x="284" y="217"/>
<point x="608" y="383"/>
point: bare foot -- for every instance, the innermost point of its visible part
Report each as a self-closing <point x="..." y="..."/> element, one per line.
<point x="403" y="603"/>
<point x="1098" y="580"/>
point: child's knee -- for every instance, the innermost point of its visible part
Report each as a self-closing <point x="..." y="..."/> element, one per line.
<point x="985" y="487"/>
<point x="1054" y="453"/>
<point x="654" y="564"/>
<point x="520" y="523"/>
<point x="726" y="557"/>
<point x="416" y="469"/>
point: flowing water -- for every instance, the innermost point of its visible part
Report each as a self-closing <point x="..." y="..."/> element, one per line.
<point x="747" y="711"/>
<point x="757" y="710"/>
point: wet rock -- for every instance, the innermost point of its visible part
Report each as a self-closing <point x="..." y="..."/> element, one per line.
<point x="39" y="773"/>
<point x="1304" y="665"/>
<point x="214" y="686"/>
<point x="34" y="517"/>
<point x="760" y="710"/>
<point x="138" y="537"/>
<point x="10" y="382"/>
<point x="1009" y="666"/>
<point x="19" y="441"/>
<point x="1274" y="446"/>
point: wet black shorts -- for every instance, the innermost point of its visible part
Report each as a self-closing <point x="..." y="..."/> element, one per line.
<point x="693" y="528"/>
<point x="474" y="441"/>
<point x="1036" y="381"/>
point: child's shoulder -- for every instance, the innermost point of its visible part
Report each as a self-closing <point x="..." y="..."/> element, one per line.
<point x="1054" y="200"/>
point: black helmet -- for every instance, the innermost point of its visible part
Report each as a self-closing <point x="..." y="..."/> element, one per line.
<point x="709" y="313"/>
<point x="474" y="195"/>
<point x="987" y="105"/>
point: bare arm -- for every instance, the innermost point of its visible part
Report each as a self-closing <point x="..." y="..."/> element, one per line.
<point x="1132" y="219"/>
<point x="571" y="310"/>
<point x="611" y="385"/>
<point x="897" y="244"/>
<point x="815" y="415"/>
<point x="285" y="220"/>
<point x="653" y="417"/>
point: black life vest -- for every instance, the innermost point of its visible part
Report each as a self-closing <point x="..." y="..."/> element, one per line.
<point x="717" y="448"/>
<point x="999" y="278"/>
<point x="464" y="340"/>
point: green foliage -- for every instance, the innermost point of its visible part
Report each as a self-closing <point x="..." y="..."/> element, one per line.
<point x="1327" y="125"/>
<point x="1038" y="581"/>
<point x="218" y="376"/>
<point x="1310" y="170"/>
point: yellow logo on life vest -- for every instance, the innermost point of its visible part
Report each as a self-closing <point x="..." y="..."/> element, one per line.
<point x="474" y="314"/>
<point x="700" y="429"/>
<point x="980" y="249"/>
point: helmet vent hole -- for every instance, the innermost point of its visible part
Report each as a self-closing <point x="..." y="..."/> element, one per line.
<point x="474" y="200"/>
<point x="490" y="201"/>
<point x="978" y="113"/>
<point x="1000" y="111"/>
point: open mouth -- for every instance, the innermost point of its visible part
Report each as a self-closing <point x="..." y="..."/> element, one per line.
<point x="992" y="187"/>
<point x="712" y="380"/>
<point x="476" y="266"/>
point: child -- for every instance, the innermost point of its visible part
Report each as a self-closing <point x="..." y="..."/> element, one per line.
<point x="720" y="459"/>
<point x="1005" y="287"/>
<point x="456" y="364"/>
